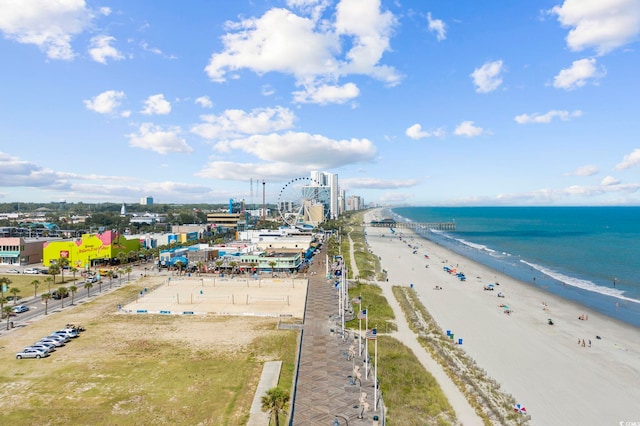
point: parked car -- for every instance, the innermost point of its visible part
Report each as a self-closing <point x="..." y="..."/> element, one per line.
<point x="13" y="271"/>
<point x="63" y="337"/>
<point x="67" y="332"/>
<point x="52" y="346"/>
<point x="20" y="309"/>
<point x="41" y="347"/>
<point x="31" y="271"/>
<point x="31" y="353"/>
<point x="52" y="340"/>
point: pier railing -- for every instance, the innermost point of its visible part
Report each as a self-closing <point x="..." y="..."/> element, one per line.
<point x="440" y="226"/>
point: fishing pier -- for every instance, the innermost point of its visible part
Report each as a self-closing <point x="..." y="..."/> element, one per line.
<point x="390" y="223"/>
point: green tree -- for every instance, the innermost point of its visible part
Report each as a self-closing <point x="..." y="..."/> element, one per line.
<point x="272" y="264"/>
<point x="35" y="284"/>
<point x="275" y="401"/>
<point x="45" y="298"/>
<point x="74" y="271"/>
<point x="6" y="310"/>
<point x="88" y="286"/>
<point x="4" y="284"/>
<point x="54" y="270"/>
<point x="128" y="270"/>
<point x="73" y="289"/>
<point x="14" y="291"/>
<point x="110" y="276"/>
<point x="179" y="265"/>
<point x="62" y="263"/>
<point x="63" y="292"/>
<point x="48" y="280"/>
<point x="3" y="300"/>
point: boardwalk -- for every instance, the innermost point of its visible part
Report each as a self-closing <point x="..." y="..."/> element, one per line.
<point x="416" y="226"/>
<point x="323" y="386"/>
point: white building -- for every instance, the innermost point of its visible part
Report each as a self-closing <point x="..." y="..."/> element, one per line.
<point x="329" y="181"/>
<point x="146" y="201"/>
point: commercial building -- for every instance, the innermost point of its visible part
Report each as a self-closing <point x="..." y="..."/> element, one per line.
<point x="20" y="250"/>
<point x="90" y="249"/>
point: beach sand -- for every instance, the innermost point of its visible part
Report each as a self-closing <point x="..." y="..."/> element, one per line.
<point x="543" y="366"/>
<point x="224" y="296"/>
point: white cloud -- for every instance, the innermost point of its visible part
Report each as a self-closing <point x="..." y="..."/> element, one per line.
<point x="106" y="102"/>
<point x="50" y="25"/>
<point x="609" y="180"/>
<point x="372" y="183"/>
<point x="415" y="132"/>
<point x="101" y="49"/>
<point x="588" y="170"/>
<point x="395" y="197"/>
<point x="314" y="151"/>
<point x="468" y="129"/>
<point x="437" y="26"/>
<point x="228" y="170"/>
<point x="156" y="104"/>
<point x="577" y="76"/>
<point x="106" y="11"/>
<point x="630" y="160"/>
<point x="547" y="117"/>
<point x="154" y="138"/>
<point x="487" y="78"/>
<point x="236" y="123"/>
<point x="602" y="24"/>
<point x="327" y="94"/>
<point x="204" y="102"/>
<point x="309" y="48"/>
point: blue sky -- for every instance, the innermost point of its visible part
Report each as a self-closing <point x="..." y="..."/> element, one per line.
<point x="420" y="102"/>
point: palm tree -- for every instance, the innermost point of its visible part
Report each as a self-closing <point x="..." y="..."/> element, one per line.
<point x="128" y="270"/>
<point x="88" y="286"/>
<point x="48" y="281"/>
<point x="35" y="284"/>
<point x="273" y="265"/>
<point x="73" y="289"/>
<point x="54" y="270"/>
<point x="62" y="263"/>
<point x="63" y="292"/>
<point x="3" y="300"/>
<point x="110" y="276"/>
<point x="179" y="266"/>
<point x="6" y="310"/>
<point x="4" y="284"/>
<point x="14" y="291"/>
<point x="233" y="265"/>
<point x="275" y="401"/>
<point x="219" y="264"/>
<point x="120" y="276"/>
<point x="122" y="257"/>
<point x="74" y="270"/>
<point x="45" y="298"/>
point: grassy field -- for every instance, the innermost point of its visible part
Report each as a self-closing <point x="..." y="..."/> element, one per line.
<point x="127" y="369"/>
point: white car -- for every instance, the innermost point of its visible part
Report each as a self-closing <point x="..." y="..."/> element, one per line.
<point x="13" y="271"/>
<point x="41" y="347"/>
<point x="20" y="309"/>
<point x="52" y="340"/>
<point x="60" y="337"/>
<point x="31" y="271"/>
<point x="67" y="332"/>
<point x="31" y="353"/>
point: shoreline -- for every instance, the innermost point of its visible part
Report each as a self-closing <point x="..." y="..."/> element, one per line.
<point x="573" y="287"/>
<point x="543" y="366"/>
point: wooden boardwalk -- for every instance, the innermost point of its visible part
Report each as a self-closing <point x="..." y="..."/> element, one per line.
<point x="324" y="388"/>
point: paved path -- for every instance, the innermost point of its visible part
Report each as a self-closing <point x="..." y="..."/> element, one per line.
<point x="324" y="388"/>
<point x="268" y="380"/>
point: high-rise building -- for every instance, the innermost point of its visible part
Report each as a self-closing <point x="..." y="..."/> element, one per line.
<point x="329" y="182"/>
<point x="146" y="201"/>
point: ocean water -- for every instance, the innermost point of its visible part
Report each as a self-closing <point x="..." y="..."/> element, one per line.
<point x="577" y="253"/>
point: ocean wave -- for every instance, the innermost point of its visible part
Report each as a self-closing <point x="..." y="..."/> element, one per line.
<point x="582" y="284"/>
<point x="476" y="246"/>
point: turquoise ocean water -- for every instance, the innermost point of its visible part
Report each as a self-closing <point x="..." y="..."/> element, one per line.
<point x="574" y="252"/>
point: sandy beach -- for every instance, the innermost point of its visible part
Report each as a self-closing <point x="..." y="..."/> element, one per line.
<point x="545" y="367"/>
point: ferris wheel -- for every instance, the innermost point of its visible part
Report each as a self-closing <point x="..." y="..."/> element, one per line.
<point x="302" y="201"/>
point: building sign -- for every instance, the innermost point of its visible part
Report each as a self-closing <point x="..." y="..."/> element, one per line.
<point x="64" y="254"/>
